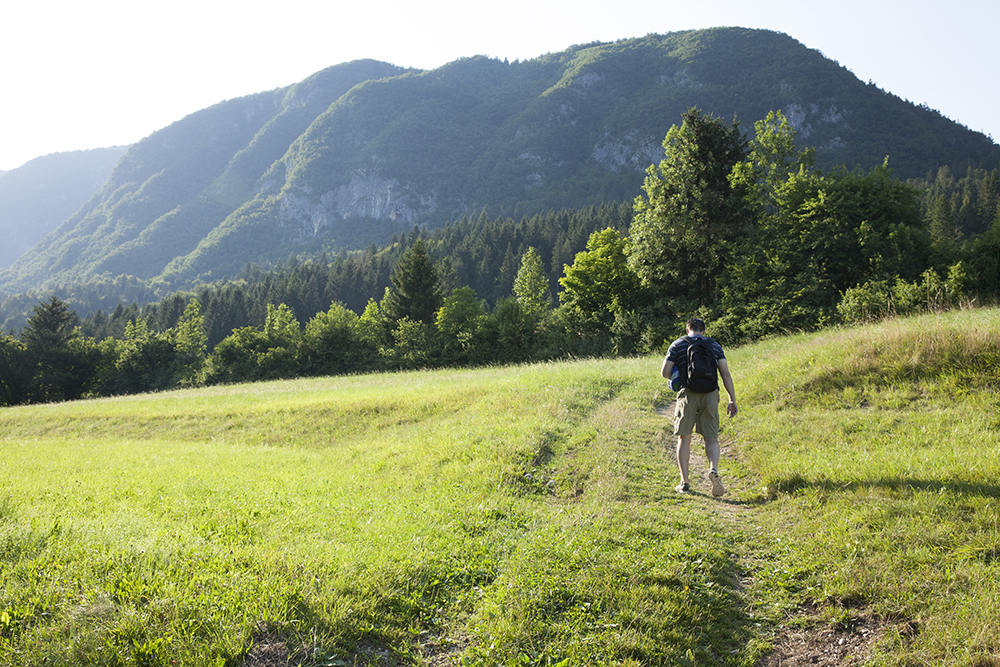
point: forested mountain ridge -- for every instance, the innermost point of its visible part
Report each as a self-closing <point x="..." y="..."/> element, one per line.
<point x="38" y="196"/>
<point x="363" y="150"/>
<point x="172" y="188"/>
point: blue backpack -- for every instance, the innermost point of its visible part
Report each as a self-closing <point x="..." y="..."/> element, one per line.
<point x="675" y="383"/>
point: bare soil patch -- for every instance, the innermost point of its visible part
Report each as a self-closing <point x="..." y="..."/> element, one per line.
<point x="831" y="643"/>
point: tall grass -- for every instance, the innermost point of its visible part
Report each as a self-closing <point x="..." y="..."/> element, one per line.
<point x="879" y="447"/>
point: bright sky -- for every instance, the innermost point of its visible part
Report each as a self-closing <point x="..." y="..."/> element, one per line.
<point x="78" y="75"/>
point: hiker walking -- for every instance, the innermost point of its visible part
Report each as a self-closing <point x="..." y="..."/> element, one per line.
<point x="699" y="360"/>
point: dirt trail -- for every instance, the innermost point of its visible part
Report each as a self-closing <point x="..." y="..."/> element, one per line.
<point x="807" y="638"/>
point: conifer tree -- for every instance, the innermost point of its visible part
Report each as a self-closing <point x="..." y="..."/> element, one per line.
<point x="50" y="325"/>
<point x="55" y="373"/>
<point x="691" y="216"/>
<point x="415" y="293"/>
<point x="531" y="285"/>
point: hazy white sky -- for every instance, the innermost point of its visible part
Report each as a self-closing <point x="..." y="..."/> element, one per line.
<point x="76" y="75"/>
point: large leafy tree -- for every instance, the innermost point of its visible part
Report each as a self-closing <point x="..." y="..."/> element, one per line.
<point x="814" y="237"/>
<point x="688" y="222"/>
<point x="463" y="320"/>
<point x="191" y="343"/>
<point x="330" y="342"/>
<point x="415" y="291"/>
<point x="600" y="286"/>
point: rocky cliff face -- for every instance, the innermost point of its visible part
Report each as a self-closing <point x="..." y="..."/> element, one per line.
<point x="627" y="153"/>
<point x="366" y="196"/>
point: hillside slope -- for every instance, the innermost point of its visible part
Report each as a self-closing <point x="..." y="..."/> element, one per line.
<point x="172" y="188"/>
<point x="363" y="150"/>
<point x="40" y="195"/>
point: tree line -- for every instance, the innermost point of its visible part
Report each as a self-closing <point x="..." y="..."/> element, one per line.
<point x="745" y="233"/>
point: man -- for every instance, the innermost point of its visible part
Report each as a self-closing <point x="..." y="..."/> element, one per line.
<point x="698" y="410"/>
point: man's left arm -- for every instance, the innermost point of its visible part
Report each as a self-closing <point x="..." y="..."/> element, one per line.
<point x="727" y="382"/>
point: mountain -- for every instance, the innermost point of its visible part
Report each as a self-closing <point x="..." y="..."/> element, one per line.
<point x="38" y="196"/>
<point x="363" y="150"/>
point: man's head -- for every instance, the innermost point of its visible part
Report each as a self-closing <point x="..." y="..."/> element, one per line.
<point x="695" y="326"/>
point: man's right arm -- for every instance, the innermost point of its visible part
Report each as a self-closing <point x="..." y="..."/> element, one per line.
<point x="668" y="362"/>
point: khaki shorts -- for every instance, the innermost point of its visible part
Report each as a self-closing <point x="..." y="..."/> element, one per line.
<point x="697" y="412"/>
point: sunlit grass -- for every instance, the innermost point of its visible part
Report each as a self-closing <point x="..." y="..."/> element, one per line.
<point x="879" y="446"/>
<point x="515" y="516"/>
<point x="519" y="515"/>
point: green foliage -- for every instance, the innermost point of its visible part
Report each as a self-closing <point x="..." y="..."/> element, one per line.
<point x="516" y="331"/>
<point x="874" y="301"/>
<point x="59" y="363"/>
<point x="415" y="291"/>
<point x="373" y="327"/>
<point x="13" y="375"/>
<point x="600" y="285"/>
<point x="692" y="215"/>
<point x="959" y="208"/>
<point x="191" y="344"/>
<point x="985" y="260"/>
<point x="815" y="236"/>
<point x="147" y="360"/>
<point x="464" y="321"/>
<point x="531" y="286"/>
<point x="51" y="325"/>
<point x="142" y="361"/>
<point x="416" y="345"/>
<point x="253" y="354"/>
<point x="330" y="343"/>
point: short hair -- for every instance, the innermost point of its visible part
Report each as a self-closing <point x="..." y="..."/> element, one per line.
<point x="696" y="325"/>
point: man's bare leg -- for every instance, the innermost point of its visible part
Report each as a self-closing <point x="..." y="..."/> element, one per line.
<point x="683" y="458"/>
<point x="712" y="452"/>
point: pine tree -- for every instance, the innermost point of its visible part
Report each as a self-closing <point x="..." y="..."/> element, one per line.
<point x="55" y="372"/>
<point x="50" y="325"/>
<point x="415" y="293"/>
<point x="531" y="285"/>
<point x="687" y="225"/>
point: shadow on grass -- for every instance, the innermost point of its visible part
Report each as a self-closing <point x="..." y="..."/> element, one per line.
<point x="796" y="483"/>
<point x="727" y="500"/>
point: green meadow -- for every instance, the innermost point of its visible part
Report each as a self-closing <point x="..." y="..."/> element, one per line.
<point x="520" y="515"/>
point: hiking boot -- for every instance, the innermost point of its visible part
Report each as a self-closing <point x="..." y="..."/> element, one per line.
<point x="683" y="488"/>
<point x="717" y="488"/>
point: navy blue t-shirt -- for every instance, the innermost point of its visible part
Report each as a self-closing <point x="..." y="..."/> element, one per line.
<point x="678" y="353"/>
